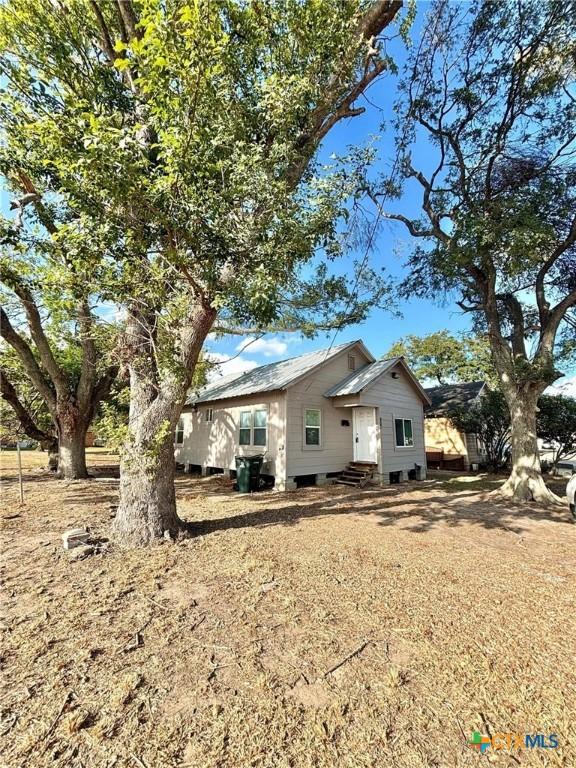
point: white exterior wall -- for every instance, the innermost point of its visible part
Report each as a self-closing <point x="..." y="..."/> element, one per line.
<point x="397" y="398"/>
<point x="336" y="441"/>
<point x="216" y="443"/>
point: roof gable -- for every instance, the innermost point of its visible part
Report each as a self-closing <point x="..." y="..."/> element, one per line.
<point x="365" y="377"/>
<point x="274" y="376"/>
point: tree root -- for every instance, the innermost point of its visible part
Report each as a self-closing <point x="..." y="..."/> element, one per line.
<point x="529" y="487"/>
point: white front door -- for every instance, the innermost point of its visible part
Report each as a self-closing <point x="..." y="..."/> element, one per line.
<point x="364" y="422"/>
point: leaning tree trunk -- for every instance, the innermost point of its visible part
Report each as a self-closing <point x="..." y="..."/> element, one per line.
<point x="147" y="504"/>
<point x="72" y="429"/>
<point x="525" y="482"/>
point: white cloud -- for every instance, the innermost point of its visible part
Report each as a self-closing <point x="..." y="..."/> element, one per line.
<point x="274" y="346"/>
<point x="566" y="388"/>
<point x="229" y="365"/>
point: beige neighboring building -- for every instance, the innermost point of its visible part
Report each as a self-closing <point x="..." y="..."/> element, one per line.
<point x="314" y="417"/>
<point x="446" y="446"/>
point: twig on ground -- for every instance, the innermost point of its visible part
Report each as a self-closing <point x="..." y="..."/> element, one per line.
<point x="137" y="760"/>
<point x="458" y="723"/>
<point x="155" y="602"/>
<point x="354" y="652"/>
<point x="137" y="638"/>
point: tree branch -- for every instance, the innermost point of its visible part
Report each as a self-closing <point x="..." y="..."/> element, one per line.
<point x="27" y="423"/>
<point x="22" y="348"/>
<point x="37" y="332"/>
<point x="86" y="383"/>
<point x="106" y="40"/>
<point x="336" y="106"/>
<point x="570" y="239"/>
<point x="517" y="316"/>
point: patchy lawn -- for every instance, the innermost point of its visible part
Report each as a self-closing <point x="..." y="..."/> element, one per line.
<point x="329" y="628"/>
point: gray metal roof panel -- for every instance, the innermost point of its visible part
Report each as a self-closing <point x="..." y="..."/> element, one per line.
<point x="265" y="378"/>
<point x="359" y="380"/>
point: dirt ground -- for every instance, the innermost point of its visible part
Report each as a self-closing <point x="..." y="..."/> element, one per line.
<point x="323" y="628"/>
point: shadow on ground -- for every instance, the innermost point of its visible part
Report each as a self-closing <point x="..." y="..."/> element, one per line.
<point x="416" y="508"/>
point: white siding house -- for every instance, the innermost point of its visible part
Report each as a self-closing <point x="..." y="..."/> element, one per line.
<point x="311" y="417"/>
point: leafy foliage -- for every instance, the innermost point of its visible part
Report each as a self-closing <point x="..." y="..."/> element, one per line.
<point x="489" y="419"/>
<point x="446" y="358"/>
<point x="180" y="167"/>
<point x="492" y="88"/>
<point x="557" y="425"/>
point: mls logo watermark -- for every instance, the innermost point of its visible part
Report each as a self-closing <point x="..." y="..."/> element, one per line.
<point x="512" y="741"/>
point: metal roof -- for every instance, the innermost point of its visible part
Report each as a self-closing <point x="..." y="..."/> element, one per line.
<point x="269" y="377"/>
<point x="360" y="379"/>
<point x="450" y="396"/>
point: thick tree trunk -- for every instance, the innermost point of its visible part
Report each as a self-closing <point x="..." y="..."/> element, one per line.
<point x="147" y="505"/>
<point x="525" y="482"/>
<point x="72" y="453"/>
<point x="147" y="509"/>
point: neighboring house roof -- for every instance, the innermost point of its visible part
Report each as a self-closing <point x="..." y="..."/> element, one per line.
<point x="361" y="379"/>
<point x="268" y="378"/>
<point x="450" y="396"/>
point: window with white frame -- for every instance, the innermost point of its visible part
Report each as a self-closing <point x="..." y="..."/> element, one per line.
<point x="351" y="363"/>
<point x="312" y="427"/>
<point x="209" y="415"/>
<point x="254" y="427"/>
<point x="260" y="427"/>
<point x="179" y="437"/>
<point x="245" y="427"/>
<point x="404" y="434"/>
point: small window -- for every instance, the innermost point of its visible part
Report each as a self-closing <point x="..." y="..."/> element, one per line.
<point x="260" y="421"/>
<point x="403" y="428"/>
<point x="245" y="427"/>
<point x="179" y="432"/>
<point x="312" y="426"/>
<point x="351" y="363"/>
<point x="209" y="415"/>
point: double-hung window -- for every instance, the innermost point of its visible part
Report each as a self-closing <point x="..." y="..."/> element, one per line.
<point x="254" y="427"/>
<point x="313" y="427"/>
<point x="245" y="427"/>
<point x="260" y="427"/>
<point x="209" y="415"/>
<point x="404" y="435"/>
<point x="179" y="437"/>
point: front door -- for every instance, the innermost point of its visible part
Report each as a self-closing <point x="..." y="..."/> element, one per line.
<point x="364" y="421"/>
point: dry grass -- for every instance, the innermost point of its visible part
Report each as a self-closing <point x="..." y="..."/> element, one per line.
<point x="452" y="613"/>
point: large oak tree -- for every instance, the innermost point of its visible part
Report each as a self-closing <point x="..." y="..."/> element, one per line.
<point x="190" y="130"/>
<point x="491" y="91"/>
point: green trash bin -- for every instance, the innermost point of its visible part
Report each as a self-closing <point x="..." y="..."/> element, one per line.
<point x="248" y="472"/>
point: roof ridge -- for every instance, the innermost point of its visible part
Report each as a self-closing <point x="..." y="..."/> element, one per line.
<point x="285" y="377"/>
